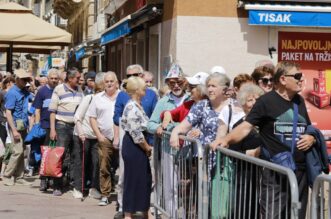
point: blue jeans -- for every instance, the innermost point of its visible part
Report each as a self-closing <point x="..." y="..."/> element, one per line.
<point x="64" y="134"/>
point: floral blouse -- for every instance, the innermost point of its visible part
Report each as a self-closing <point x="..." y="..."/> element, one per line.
<point x="206" y="119"/>
<point x="134" y="120"/>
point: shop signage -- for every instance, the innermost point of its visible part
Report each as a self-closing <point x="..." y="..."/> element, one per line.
<point x="289" y="18"/>
<point x="115" y="33"/>
<point x="80" y="53"/>
<point x="58" y="62"/>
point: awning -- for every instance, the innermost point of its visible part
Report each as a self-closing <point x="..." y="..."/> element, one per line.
<point x="19" y="26"/>
<point x="88" y="48"/>
<point x="116" y="31"/>
<point x="289" y="15"/>
<point x="128" y="24"/>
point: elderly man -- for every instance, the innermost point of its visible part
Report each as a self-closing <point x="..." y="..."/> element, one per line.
<point x="148" y="78"/>
<point x="282" y="118"/>
<point x="99" y="112"/>
<point x="65" y="99"/>
<point x="148" y="103"/>
<point x="41" y="104"/>
<point x="16" y="106"/>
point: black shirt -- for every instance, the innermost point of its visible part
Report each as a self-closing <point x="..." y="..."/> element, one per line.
<point x="274" y="116"/>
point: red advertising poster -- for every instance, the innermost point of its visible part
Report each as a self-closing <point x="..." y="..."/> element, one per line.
<point x="313" y="52"/>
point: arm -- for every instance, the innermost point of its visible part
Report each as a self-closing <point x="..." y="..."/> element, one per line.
<point x="182" y="128"/>
<point x="10" y="120"/>
<point x="167" y="118"/>
<point x="79" y="116"/>
<point x="154" y="123"/>
<point x="235" y="136"/>
<point x="95" y="128"/>
<point x="116" y="141"/>
<point x="52" y="134"/>
<point x="37" y="116"/>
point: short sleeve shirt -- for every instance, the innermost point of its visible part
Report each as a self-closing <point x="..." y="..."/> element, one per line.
<point x="206" y="119"/>
<point x="42" y="101"/>
<point x="17" y="101"/>
<point x="274" y="116"/>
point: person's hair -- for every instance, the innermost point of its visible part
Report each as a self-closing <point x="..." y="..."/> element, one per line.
<point x="111" y="73"/>
<point x="247" y="90"/>
<point x="241" y="79"/>
<point x="6" y="81"/>
<point x="71" y="73"/>
<point x="164" y="90"/>
<point x="223" y="79"/>
<point x="283" y="68"/>
<point x="53" y="71"/>
<point x="135" y="66"/>
<point x="260" y="72"/>
<point x="99" y="78"/>
<point x="148" y="73"/>
<point x="134" y="84"/>
<point x="202" y="90"/>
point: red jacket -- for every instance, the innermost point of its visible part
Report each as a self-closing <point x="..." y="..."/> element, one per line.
<point x="180" y="113"/>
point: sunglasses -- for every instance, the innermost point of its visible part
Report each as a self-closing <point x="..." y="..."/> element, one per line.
<point x="133" y="75"/>
<point x="265" y="81"/>
<point x="173" y="83"/>
<point x="296" y="76"/>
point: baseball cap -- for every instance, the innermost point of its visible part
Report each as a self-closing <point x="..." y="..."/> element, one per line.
<point x="21" y="73"/>
<point x="174" y="72"/>
<point x="218" y="69"/>
<point x="90" y="75"/>
<point x="198" y="78"/>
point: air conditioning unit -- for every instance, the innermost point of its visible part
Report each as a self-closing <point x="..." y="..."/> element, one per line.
<point x="101" y="22"/>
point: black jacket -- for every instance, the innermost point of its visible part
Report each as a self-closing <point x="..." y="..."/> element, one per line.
<point x="317" y="160"/>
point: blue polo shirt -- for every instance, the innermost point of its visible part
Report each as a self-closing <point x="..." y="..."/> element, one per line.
<point x="42" y="101"/>
<point x="17" y="101"/>
<point x="148" y="102"/>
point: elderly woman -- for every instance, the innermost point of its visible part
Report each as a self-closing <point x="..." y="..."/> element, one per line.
<point x="263" y="77"/>
<point x="198" y="92"/>
<point x="135" y="152"/>
<point x="205" y="114"/>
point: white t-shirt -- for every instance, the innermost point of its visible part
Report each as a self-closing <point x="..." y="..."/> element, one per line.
<point x="102" y="108"/>
<point x="237" y="113"/>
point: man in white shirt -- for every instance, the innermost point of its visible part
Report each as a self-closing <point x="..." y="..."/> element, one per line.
<point x="101" y="112"/>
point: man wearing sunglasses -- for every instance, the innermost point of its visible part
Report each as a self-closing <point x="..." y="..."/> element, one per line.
<point x="16" y="106"/>
<point x="148" y="103"/>
<point x="274" y="114"/>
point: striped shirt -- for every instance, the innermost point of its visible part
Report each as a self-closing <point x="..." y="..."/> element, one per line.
<point x="64" y="102"/>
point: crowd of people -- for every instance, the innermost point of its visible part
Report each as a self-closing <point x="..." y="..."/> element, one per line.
<point x="106" y="125"/>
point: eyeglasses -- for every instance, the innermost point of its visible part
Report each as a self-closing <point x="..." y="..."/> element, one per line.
<point x="173" y="83"/>
<point x="265" y="81"/>
<point x="134" y="74"/>
<point x="296" y="76"/>
<point x="191" y="87"/>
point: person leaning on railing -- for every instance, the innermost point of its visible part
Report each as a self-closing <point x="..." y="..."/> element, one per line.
<point x="274" y="113"/>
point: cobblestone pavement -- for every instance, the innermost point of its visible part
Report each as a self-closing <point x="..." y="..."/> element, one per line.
<point x="27" y="202"/>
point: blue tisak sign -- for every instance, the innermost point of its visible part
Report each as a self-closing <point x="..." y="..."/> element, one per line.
<point x="289" y="18"/>
<point x="115" y="33"/>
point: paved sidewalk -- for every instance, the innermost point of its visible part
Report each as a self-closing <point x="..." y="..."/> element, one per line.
<point x="27" y="202"/>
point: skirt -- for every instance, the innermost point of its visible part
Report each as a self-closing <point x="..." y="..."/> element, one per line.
<point x="137" y="177"/>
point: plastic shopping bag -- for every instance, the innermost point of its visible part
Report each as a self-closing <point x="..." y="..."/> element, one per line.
<point x="51" y="161"/>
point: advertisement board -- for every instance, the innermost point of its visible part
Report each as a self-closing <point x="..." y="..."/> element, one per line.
<point x="313" y="52"/>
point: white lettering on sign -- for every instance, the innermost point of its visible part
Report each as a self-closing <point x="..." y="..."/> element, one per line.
<point x="275" y="18"/>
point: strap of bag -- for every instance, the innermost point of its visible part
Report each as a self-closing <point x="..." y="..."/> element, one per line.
<point x="295" y="124"/>
<point x="52" y="143"/>
<point x="230" y="117"/>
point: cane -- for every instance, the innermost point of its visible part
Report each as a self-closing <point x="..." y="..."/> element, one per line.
<point x="83" y="171"/>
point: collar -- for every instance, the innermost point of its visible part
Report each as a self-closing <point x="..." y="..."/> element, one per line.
<point x="169" y="95"/>
<point x="67" y="88"/>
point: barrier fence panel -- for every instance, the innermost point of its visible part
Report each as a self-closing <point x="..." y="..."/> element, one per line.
<point x="321" y="202"/>
<point x="180" y="183"/>
<point x="242" y="186"/>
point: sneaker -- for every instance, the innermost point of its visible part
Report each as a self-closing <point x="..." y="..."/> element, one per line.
<point x="57" y="192"/>
<point x="93" y="193"/>
<point x="23" y="182"/>
<point x="9" y="181"/>
<point x="77" y="194"/>
<point x="119" y="215"/>
<point x="104" y="201"/>
<point x="43" y="185"/>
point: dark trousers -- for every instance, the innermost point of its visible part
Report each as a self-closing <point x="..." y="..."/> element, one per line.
<point x="91" y="162"/>
<point x="3" y="133"/>
<point x="64" y="139"/>
<point x="276" y="196"/>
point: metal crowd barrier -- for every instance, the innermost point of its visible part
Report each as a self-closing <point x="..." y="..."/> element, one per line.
<point x="194" y="182"/>
<point x="321" y="194"/>
<point x="248" y="187"/>
<point x="179" y="179"/>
